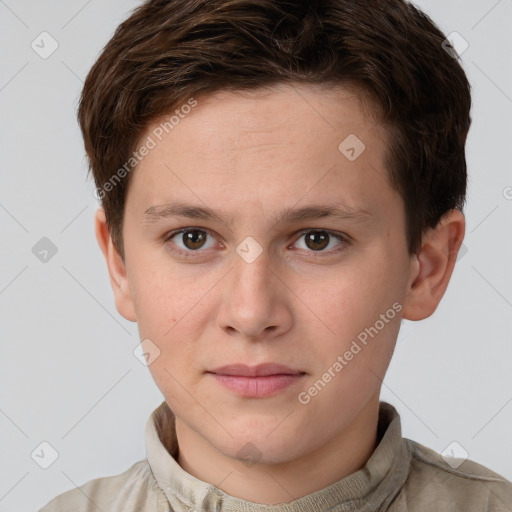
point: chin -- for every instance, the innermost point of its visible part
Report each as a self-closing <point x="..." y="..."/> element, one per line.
<point x="260" y="447"/>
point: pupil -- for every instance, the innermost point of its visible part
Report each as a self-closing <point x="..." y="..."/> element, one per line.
<point x="315" y="238"/>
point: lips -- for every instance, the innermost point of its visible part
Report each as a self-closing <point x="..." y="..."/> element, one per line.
<point x="261" y="381"/>
<point x="261" y="370"/>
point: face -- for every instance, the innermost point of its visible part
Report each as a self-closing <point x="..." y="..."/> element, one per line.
<point x="255" y="284"/>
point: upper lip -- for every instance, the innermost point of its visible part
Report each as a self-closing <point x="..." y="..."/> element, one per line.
<point x="260" y="370"/>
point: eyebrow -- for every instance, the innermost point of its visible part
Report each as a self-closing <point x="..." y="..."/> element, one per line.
<point x="340" y="211"/>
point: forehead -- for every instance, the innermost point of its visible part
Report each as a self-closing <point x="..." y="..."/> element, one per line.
<point x="249" y="147"/>
<point x="304" y="109"/>
<point x="284" y="112"/>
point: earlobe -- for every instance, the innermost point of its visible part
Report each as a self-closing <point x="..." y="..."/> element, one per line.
<point x="116" y="268"/>
<point x="432" y="268"/>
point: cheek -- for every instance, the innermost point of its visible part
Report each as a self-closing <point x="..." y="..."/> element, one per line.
<point x="356" y="309"/>
<point x="162" y="296"/>
<point x="172" y="313"/>
<point x="344" y="301"/>
<point x="171" y="319"/>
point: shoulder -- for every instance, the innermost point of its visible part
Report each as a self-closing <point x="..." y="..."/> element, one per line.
<point x="453" y="485"/>
<point x="133" y="489"/>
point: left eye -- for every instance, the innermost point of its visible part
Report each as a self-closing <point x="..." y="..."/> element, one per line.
<point x="319" y="240"/>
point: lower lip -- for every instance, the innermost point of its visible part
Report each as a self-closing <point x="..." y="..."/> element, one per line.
<point x="257" y="387"/>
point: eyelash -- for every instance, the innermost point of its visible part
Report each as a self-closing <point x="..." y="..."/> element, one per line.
<point x="189" y="253"/>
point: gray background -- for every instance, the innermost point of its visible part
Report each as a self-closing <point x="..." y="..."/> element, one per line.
<point x="68" y="373"/>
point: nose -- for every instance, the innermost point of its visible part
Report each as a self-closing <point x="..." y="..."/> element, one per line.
<point x="255" y="303"/>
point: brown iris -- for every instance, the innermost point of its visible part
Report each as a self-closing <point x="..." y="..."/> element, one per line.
<point x="317" y="240"/>
<point x="194" y="239"/>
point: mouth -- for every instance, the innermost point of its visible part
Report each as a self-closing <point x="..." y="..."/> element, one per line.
<point x="256" y="381"/>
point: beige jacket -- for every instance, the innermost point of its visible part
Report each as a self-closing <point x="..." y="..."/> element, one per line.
<point x="401" y="475"/>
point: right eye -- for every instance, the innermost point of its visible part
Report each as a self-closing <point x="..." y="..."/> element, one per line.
<point x="192" y="240"/>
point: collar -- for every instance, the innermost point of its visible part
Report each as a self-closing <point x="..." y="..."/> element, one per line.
<point x="373" y="487"/>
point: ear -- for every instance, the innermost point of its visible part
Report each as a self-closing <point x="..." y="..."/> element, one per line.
<point x="432" y="267"/>
<point x="116" y="268"/>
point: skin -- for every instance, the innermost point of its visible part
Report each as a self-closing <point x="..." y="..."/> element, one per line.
<point x="249" y="155"/>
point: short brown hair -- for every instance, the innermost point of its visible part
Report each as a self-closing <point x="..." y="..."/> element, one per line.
<point x="169" y="51"/>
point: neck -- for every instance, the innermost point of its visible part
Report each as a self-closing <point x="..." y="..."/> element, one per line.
<point x="270" y="484"/>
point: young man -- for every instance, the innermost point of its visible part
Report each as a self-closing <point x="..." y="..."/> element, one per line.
<point x="281" y="184"/>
